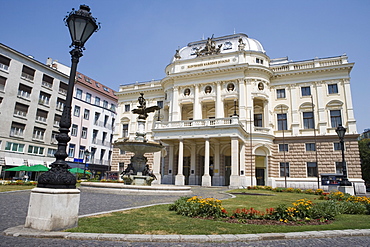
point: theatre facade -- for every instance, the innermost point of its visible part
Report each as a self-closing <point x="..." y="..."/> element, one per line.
<point x="232" y="116"/>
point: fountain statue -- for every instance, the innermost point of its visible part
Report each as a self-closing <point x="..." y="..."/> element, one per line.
<point x="138" y="172"/>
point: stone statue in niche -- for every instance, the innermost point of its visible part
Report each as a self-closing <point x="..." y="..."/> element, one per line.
<point x="260" y="86"/>
<point x="208" y="89"/>
<point x="187" y="92"/>
<point x="230" y="87"/>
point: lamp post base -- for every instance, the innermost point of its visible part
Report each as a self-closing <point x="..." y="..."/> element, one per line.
<point x="53" y="209"/>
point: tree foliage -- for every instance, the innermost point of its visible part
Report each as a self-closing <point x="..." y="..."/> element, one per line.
<point x="364" y="146"/>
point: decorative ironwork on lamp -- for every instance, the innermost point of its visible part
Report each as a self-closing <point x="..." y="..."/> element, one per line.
<point x="341" y="131"/>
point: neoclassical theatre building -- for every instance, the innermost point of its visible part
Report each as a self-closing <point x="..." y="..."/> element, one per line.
<point x="232" y="116"/>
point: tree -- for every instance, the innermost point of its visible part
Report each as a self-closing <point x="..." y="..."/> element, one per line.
<point x="364" y="147"/>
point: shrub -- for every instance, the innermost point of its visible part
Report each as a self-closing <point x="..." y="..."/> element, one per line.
<point x="252" y="213"/>
<point x="199" y="207"/>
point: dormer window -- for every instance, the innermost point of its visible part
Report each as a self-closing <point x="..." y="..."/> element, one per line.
<point x="258" y="60"/>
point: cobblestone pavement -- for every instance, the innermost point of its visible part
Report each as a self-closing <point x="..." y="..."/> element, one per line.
<point x="13" y="211"/>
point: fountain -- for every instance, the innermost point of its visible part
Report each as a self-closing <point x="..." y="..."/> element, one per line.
<point x="137" y="176"/>
<point x="138" y="173"/>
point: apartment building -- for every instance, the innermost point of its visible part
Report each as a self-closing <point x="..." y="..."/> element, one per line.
<point x="32" y="96"/>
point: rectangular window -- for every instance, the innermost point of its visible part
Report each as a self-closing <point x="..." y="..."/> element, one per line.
<point x="60" y="104"/>
<point x="15" y="147"/>
<point x="24" y="91"/>
<point x="84" y="133"/>
<point x="97" y="101"/>
<point x="338" y="146"/>
<point x="332" y="88"/>
<point x="125" y="130"/>
<point x="106" y="117"/>
<point x="160" y="104"/>
<point x="54" y="137"/>
<point x="258" y="120"/>
<point x="44" y="98"/>
<point x="335" y="118"/>
<point x="308" y="122"/>
<point x="51" y="152"/>
<point x="2" y="83"/>
<point x="86" y="114"/>
<point x="38" y="134"/>
<point x="280" y="93"/>
<point x="20" y="110"/>
<point x="88" y="97"/>
<point x="17" y="129"/>
<point x="95" y="135"/>
<point x="312" y="169"/>
<point x="105" y="104"/>
<point x="77" y="110"/>
<point x="104" y="137"/>
<point x="310" y="147"/>
<point x="306" y="91"/>
<point x="47" y="81"/>
<point x="63" y="88"/>
<point x="81" y="152"/>
<point x="282" y="121"/>
<point x="96" y="120"/>
<point x="4" y="63"/>
<point x="127" y="108"/>
<point x="57" y="120"/>
<point x="113" y="107"/>
<point x="79" y="93"/>
<point x="338" y="168"/>
<point x="284" y="169"/>
<point x="283" y="147"/>
<point x="71" y="150"/>
<point x="74" y="130"/>
<point x="41" y="115"/>
<point x="28" y="73"/>
<point x="35" y="150"/>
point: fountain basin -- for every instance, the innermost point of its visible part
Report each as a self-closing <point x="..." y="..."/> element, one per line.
<point x="138" y="147"/>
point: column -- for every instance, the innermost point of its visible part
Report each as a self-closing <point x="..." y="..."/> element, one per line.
<point x="175" y="105"/>
<point x="180" y="178"/>
<point x="351" y="122"/>
<point x="219" y="104"/>
<point x="243" y="180"/>
<point x="216" y="166"/>
<point x="294" y="93"/>
<point x="320" y="107"/>
<point x="234" y="178"/>
<point x="168" y="178"/>
<point x="249" y="105"/>
<point x="197" y="113"/>
<point x="242" y="101"/>
<point x="192" y="177"/>
<point x="206" y="178"/>
<point x="157" y="167"/>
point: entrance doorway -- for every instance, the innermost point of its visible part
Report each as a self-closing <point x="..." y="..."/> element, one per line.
<point x="260" y="176"/>
<point x="186" y="170"/>
<point x="227" y="170"/>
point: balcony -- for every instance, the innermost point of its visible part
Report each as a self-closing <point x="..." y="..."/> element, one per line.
<point x="4" y="67"/>
<point x="27" y="76"/>
<point x="198" y="123"/>
<point x="20" y="113"/>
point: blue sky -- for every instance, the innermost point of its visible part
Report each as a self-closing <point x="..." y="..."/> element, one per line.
<point x="138" y="38"/>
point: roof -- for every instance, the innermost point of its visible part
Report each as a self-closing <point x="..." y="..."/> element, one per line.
<point x="95" y="85"/>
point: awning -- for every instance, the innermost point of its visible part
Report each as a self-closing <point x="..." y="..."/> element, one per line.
<point x="11" y="161"/>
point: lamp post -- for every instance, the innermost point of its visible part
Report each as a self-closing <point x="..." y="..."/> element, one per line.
<point x="87" y="154"/>
<point x="341" y="131"/>
<point x="81" y="26"/>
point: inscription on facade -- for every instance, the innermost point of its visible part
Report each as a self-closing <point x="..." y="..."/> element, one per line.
<point x="208" y="63"/>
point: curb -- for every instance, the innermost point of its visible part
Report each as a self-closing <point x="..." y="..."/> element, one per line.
<point x="21" y="231"/>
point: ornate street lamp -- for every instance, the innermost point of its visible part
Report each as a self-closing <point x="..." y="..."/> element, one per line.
<point x="341" y="131"/>
<point x="87" y="154"/>
<point x="81" y="26"/>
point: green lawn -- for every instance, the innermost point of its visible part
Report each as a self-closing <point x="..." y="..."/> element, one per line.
<point x="4" y="188"/>
<point x="159" y="220"/>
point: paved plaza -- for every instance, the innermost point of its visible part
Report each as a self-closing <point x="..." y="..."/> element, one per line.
<point x="13" y="211"/>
